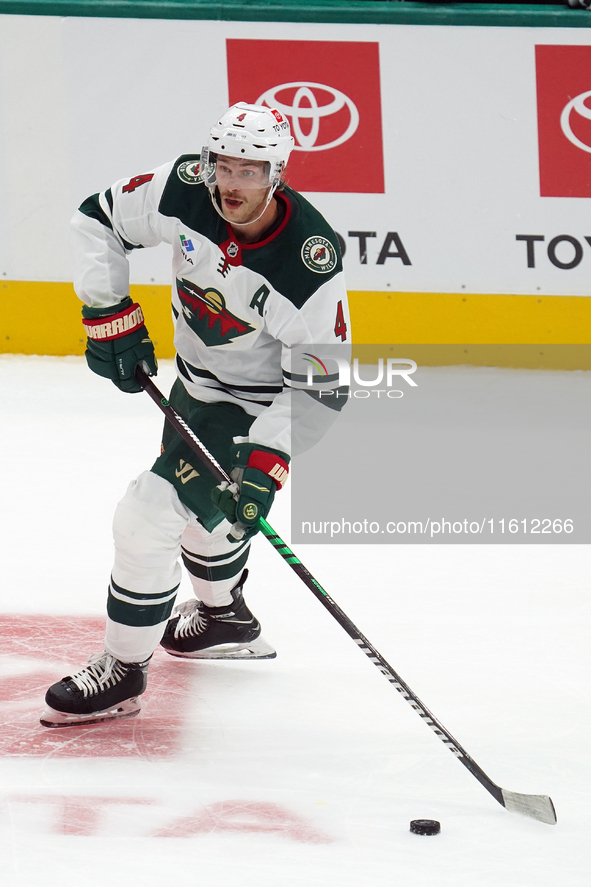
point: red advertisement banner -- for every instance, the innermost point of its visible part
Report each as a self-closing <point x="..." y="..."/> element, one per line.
<point x="563" y="76"/>
<point x="330" y="92"/>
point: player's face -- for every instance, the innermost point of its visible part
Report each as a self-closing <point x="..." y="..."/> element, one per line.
<point x="243" y="187"/>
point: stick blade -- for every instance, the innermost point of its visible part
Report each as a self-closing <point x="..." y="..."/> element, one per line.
<point x="537" y="806"/>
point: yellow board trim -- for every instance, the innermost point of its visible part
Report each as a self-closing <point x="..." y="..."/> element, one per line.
<point x="445" y="318"/>
<point x="44" y="318"/>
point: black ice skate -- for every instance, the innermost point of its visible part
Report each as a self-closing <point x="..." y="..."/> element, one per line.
<point x="202" y="632"/>
<point x="103" y="691"/>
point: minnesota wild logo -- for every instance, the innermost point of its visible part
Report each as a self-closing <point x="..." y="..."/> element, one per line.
<point x="188" y="172"/>
<point x="319" y="255"/>
<point x="206" y="313"/>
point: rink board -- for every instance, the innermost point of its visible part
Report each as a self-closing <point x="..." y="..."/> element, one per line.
<point x="455" y="170"/>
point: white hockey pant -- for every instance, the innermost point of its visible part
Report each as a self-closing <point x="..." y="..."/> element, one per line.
<point x="150" y="526"/>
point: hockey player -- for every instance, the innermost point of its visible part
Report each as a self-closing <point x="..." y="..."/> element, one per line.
<point x="257" y="271"/>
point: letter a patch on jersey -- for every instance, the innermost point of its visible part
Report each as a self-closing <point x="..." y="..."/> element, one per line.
<point x="205" y="312"/>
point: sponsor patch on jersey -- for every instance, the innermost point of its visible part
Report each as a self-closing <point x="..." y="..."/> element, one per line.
<point x="319" y="255"/>
<point x="188" y="172"/>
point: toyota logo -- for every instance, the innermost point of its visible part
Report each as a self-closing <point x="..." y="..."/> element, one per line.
<point x="577" y="104"/>
<point x="313" y="112"/>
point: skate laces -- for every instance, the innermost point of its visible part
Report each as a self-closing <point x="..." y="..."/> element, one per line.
<point x="103" y="670"/>
<point x="192" y="619"/>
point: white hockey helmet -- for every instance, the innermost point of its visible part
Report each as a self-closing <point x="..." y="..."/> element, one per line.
<point x="249" y="132"/>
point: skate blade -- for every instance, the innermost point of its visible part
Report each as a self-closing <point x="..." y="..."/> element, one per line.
<point x="257" y="649"/>
<point x="128" y="709"/>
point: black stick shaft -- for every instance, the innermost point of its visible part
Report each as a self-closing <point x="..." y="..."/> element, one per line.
<point x="333" y="608"/>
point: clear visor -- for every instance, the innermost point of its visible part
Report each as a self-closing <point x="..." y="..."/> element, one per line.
<point x="234" y="173"/>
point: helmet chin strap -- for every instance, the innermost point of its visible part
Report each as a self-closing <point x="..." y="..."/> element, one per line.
<point x="218" y="208"/>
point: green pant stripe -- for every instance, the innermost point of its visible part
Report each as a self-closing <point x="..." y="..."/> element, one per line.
<point x="136" y="614"/>
<point x="218" y="557"/>
<point x="213" y="573"/>
<point x="139" y="596"/>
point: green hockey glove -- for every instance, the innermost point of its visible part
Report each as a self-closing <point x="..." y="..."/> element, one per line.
<point x="257" y="472"/>
<point x="117" y="342"/>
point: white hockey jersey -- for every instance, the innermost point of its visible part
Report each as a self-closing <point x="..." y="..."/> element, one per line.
<point x="238" y="309"/>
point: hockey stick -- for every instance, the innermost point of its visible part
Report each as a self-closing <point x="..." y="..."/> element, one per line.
<point x="537" y="806"/>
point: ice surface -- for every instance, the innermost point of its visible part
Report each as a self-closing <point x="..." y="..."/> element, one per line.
<point x="303" y="770"/>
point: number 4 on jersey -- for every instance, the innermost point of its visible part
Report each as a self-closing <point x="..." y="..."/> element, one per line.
<point x="136" y="182"/>
<point x="340" y="327"/>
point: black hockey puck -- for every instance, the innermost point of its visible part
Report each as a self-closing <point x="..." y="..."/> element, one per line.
<point x="425" y="827"/>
